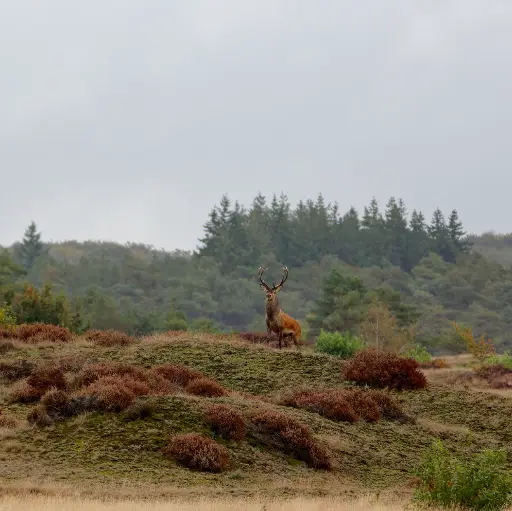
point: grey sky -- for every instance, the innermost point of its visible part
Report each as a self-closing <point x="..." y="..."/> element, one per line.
<point x="127" y="120"/>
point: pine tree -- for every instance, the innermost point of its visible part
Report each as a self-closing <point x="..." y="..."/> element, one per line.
<point x="31" y="246"/>
<point x="457" y="234"/>
<point x="396" y="227"/>
<point x="418" y="244"/>
<point x="439" y="237"/>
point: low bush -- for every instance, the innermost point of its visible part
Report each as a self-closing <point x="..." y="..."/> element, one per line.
<point x="498" y="376"/>
<point x="346" y="405"/>
<point x="339" y="344"/>
<point x="45" y="377"/>
<point x="226" y="422"/>
<point x="206" y="387"/>
<point x="290" y="436"/>
<point x="6" y="346"/>
<point x="383" y="369"/>
<point x="56" y="404"/>
<point x="504" y="360"/>
<point x="177" y="374"/>
<point x="151" y="382"/>
<point x="107" y="397"/>
<point x="197" y="452"/>
<point x="418" y="353"/>
<point x="480" y="483"/>
<point x="435" y="363"/>
<point x="109" y="337"/>
<point x="16" y="370"/>
<point x="255" y="337"/>
<point x="38" y="417"/>
<point x="43" y="332"/>
<point x="22" y="392"/>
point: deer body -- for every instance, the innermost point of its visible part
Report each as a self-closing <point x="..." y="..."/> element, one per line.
<point x="278" y="321"/>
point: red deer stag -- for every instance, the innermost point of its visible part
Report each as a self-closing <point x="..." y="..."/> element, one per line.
<point x="278" y="321"/>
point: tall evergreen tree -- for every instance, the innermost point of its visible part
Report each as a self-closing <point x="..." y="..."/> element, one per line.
<point x="439" y="237"/>
<point x="457" y="234"/>
<point x="31" y="246"/>
<point x="396" y="227"/>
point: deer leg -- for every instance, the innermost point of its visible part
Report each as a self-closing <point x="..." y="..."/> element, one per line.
<point x="280" y="339"/>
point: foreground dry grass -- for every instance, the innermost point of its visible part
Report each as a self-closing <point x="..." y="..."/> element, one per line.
<point x="41" y="503"/>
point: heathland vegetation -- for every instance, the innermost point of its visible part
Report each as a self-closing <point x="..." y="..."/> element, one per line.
<point x="126" y="370"/>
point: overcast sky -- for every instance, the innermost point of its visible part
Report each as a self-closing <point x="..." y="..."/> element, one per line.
<point x="127" y="120"/>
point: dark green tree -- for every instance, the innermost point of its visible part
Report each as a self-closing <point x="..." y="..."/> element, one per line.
<point x="457" y="234"/>
<point x="31" y="246"/>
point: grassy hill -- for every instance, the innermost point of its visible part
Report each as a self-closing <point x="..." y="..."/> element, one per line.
<point x="109" y="453"/>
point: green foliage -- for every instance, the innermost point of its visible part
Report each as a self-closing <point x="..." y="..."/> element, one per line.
<point x="479" y="483"/>
<point x="340" y="344"/>
<point x="504" y="360"/>
<point x="7" y="319"/>
<point x="418" y="353"/>
<point x="205" y="325"/>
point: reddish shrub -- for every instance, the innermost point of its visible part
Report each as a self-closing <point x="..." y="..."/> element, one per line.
<point x="25" y="393"/>
<point x="56" y="404"/>
<point x="177" y="374"/>
<point x="347" y="405"/>
<point x="198" y="452"/>
<point x="43" y="332"/>
<point x="137" y="387"/>
<point x="7" y="333"/>
<point x="226" y="421"/>
<point x="109" y="337"/>
<point x="333" y="404"/>
<point x="255" y="337"/>
<point x="497" y="375"/>
<point x="289" y="435"/>
<point x="16" y="370"/>
<point x="206" y="387"/>
<point x="69" y="363"/>
<point x="47" y="376"/>
<point x="383" y="369"/>
<point x="151" y="381"/>
<point x="108" y="397"/>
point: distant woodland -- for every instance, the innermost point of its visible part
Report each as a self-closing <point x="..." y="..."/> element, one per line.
<point x="427" y="271"/>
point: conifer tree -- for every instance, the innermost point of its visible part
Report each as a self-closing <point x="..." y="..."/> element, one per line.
<point x="457" y="234"/>
<point x="31" y="246"/>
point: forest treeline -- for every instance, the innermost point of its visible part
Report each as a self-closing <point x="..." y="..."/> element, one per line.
<point x="428" y="273"/>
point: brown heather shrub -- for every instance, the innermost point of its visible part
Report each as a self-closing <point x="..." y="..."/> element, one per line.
<point x="226" y="422"/>
<point x="106" y="397"/>
<point x="206" y="387"/>
<point x="382" y="369"/>
<point x="333" y="404"/>
<point x="70" y="363"/>
<point x="45" y="377"/>
<point x="346" y="405"/>
<point x="16" y="370"/>
<point x="255" y="337"/>
<point x="109" y="337"/>
<point x="56" y="404"/>
<point x="22" y="392"/>
<point x="155" y="382"/>
<point x="38" y="417"/>
<point x="43" y="332"/>
<point x="177" y="374"/>
<point x="288" y="435"/>
<point x="197" y="452"/>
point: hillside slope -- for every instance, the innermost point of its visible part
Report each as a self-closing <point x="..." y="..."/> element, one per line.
<point x="107" y="453"/>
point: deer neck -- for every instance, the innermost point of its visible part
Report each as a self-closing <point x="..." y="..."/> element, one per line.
<point x="272" y="309"/>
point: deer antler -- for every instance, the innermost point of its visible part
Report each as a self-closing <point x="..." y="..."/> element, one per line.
<point x="261" y="271"/>
<point x="283" y="280"/>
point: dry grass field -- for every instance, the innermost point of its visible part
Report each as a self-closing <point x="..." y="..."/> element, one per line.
<point x="120" y="452"/>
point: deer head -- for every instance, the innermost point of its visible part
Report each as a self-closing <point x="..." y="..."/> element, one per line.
<point x="271" y="292"/>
